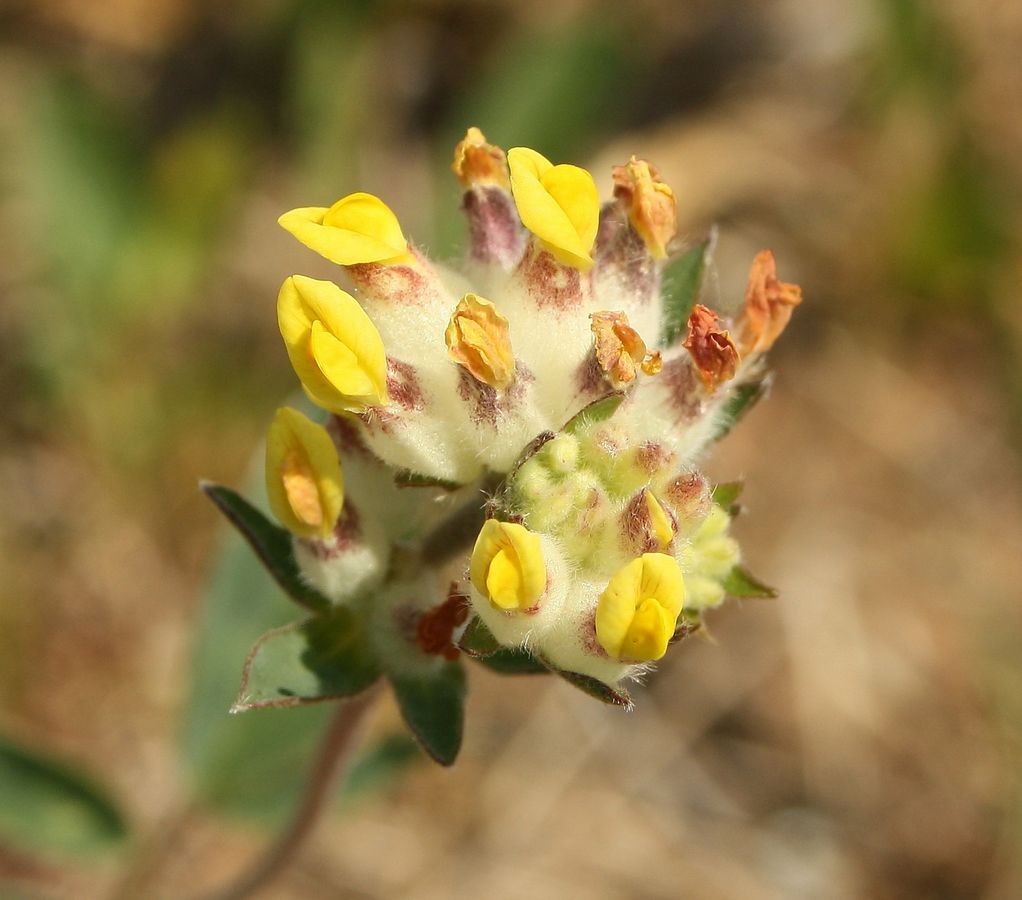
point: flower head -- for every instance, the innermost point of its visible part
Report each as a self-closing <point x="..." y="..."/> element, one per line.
<point x="571" y="457"/>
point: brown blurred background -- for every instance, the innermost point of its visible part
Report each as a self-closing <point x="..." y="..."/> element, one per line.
<point x="858" y="738"/>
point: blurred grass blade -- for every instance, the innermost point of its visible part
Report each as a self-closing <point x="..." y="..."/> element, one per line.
<point x="47" y="806"/>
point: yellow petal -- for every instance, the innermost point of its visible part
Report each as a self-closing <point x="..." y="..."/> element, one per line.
<point x="333" y="345"/>
<point x="649" y="633"/>
<point x="507" y="565"/>
<point x="303" y="475"/>
<point x="559" y="204"/>
<point x="638" y="611"/>
<point x="477" y="339"/>
<point x="359" y="228"/>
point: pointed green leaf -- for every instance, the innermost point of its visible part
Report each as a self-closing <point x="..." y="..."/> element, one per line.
<point x="596" y="412"/>
<point x="743" y="398"/>
<point x="271" y="543"/>
<point x="727" y="493"/>
<point x="513" y="661"/>
<point x="323" y="658"/>
<point x="408" y="478"/>
<point x="433" y="706"/>
<point x="683" y="283"/>
<point x="49" y="807"/>
<point x="596" y="688"/>
<point x="740" y="583"/>
<point x="478" y="640"/>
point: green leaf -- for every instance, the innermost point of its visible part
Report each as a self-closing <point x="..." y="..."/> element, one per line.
<point x="477" y="640"/>
<point x="322" y="658"/>
<point x="726" y="494"/>
<point x="683" y="283"/>
<point x="514" y="661"/>
<point x="50" y="807"/>
<point x="271" y="543"/>
<point x="596" y="412"/>
<point x="408" y="478"/>
<point x="742" y="584"/>
<point x="596" y="688"/>
<point x="743" y="398"/>
<point x="433" y="706"/>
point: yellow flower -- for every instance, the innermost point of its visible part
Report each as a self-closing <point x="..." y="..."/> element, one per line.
<point x="359" y="228"/>
<point x="303" y="475"/>
<point x="649" y="202"/>
<point x="477" y="339"/>
<point x="558" y="204"/>
<point x="333" y="345"/>
<point x="507" y="565"/>
<point x="637" y="613"/>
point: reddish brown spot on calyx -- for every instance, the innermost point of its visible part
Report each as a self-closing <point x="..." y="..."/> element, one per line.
<point x="488" y="407"/>
<point x="403" y="385"/>
<point x="651" y="456"/>
<point x="551" y="285"/>
<point x="347" y="532"/>
<point x="495" y="232"/>
<point x="689" y="496"/>
<point x="434" y="632"/>
<point x="403" y="285"/>
<point x="684" y="387"/>
<point x="621" y="255"/>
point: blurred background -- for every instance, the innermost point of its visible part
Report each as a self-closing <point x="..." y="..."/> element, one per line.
<point x="858" y="738"/>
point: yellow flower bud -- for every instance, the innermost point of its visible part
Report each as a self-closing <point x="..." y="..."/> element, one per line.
<point x="507" y="565"/>
<point x="303" y="475"/>
<point x="333" y="345"/>
<point x="659" y="521"/>
<point x="477" y="339"/>
<point x="477" y="162"/>
<point x="359" y="228"/>
<point x="637" y="613"/>
<point x="649" y="202"/>
<point x="558" y="204"/>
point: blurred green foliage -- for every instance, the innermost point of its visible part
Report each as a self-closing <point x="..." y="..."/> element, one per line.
<point x="50" y="808"/>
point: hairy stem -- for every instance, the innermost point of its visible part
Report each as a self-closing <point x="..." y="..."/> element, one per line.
<point x="335" y="753"/>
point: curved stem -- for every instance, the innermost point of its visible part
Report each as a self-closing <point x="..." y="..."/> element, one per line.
<point x="334" y="755"/>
